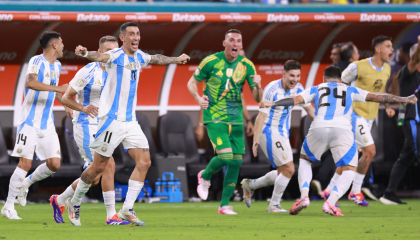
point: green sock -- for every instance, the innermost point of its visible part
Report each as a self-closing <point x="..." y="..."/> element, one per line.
<point x="231" y="178"/>
<point x="216" y="164"/>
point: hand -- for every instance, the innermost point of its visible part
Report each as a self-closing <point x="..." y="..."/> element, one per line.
<point x="203" y="102"/>
<point x="390" y="112"/>
<point x="199" y="132"/>
<point x="90" y="110"/>
<point x="411" y="99"/>
<point x="265" y="104"/>
<point x="257" y="80"/>
<point x="69" y="112"/>
<point x="183" y="59"/>
<point x="62" y="88"/>
<point x="80" y="51"/>
<point x="249" y="128"/>
<point x="255" y="148"/>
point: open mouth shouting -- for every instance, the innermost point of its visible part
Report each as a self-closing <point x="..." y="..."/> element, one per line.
<point x="135" y="45"/>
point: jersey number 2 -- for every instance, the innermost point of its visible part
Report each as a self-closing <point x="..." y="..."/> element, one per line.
<point x="335" y="95"/>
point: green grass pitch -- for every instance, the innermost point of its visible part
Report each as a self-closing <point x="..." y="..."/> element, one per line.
<point x="201" y="221"/>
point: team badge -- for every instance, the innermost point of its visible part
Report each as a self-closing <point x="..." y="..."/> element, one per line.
<point x="365" y="139"/>
<point x="34" y="69"/>
<point x="104" y="148"/>
<point x="58" y="152"/>
<point x="284" y="156"/>
<point x="197" y="71"/>
<point x="133" y="66"/>
<point x="219" y="141"/>
<point x="80" y="82"/>
<point x="19" y="150"/>
<point x="52" y="74"/>
<point x="229" y="72"/>
<point x="377" y="86"/>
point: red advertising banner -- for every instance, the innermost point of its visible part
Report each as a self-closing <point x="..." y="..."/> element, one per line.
<point x="207" y="17"/>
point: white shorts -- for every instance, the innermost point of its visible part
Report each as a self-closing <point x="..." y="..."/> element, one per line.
<point x="112" y="132"/>
<point x="84" y="135"/>
<point x="277" y="148"/>
<point x="361" y="129"/>
<point x="339" y="141"/>
<point x="44" y="143"/>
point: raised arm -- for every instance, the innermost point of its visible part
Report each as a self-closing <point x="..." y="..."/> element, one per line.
<point x="283" y="102"/>
<point x="257" y="91"/>
<point x="415" y="59"/>
<point x="389" y="98"/>
<point x="32" y="83"/>
<point x="164" y="60"/>
<point x="92" y="55"/>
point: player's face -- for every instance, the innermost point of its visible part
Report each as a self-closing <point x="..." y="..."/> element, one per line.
<point x="59" y="47"/>
<point x="131" y="38"/>
<point x="233" y="44"/>
<point x="107" y="46"/>
<point x="386" y="51"/>
<point x="355" y="56"/>
<point x="292" y="78"/>
<point x="335" y="55"/>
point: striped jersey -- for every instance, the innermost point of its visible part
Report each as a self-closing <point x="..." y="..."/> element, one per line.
<point x="278" y="117"/>
<point x="37" y="106"/>
<point x="88" y="83"/>
<point x="333" y="104"/>
<point x="119" y="96"/>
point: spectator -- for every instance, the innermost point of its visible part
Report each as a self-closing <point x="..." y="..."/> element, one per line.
<point x="402" y="58"/>
<point x="348" y="53"/>
<point x="335" y="53"/>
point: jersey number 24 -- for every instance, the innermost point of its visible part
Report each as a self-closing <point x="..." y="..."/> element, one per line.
<point x="335" y="95"/>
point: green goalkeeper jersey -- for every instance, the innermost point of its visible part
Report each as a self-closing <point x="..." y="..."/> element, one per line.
<point x="223" y="86"/>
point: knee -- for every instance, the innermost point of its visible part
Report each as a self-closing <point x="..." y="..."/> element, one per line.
<point x="111" y="165"/>
<point x="54" y="165"/>
<point x="235" y="163"/>
<point x="144" y="163"/>
<point x="290" y="171"/>
<point x="25" y="164"/>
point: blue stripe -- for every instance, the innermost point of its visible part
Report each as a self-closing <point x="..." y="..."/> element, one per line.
<point x="105" y="126"/>
<point x="414" y="132"/>
<point x="86" y="101"/>
<point x="354" y="117"/>
<point x="283" y="117"/>
<point x="349" y="99"/>
<point x="269" y="143"/>
<point x="270" y="118"/>
<point x="86" y="141"/>
<point x="46" y="111"/>
<point x="329" y="115"/>
<point x="417" y="113"/>
<point x="288" y="125"/>
<point x="316" y="99"/>
<point x="346" y="159"/>
<point x="308" y="152"/>
<point x="21" y="126"/>
<point x="31" y="114"/>
<point x="120" y="72"/>
<point x="132" y="92"/>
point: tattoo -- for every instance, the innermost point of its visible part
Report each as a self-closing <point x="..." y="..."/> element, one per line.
<point x="145" y="149"/>
<point x="88" y="179"/>
<point x="383" y="98"/>
<point x="104" y="158"/>
<point x="31" y="77"/>
<point x="92" y="56"/>
<point x="159" y="59"/>
<point x="363" y="164"/>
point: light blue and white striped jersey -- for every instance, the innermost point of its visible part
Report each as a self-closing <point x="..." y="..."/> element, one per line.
<point x="119" y="96"/>
<point x="278" y="117"/>
<point x="88" y="83"/>
<point x="37" y="107"/>
<point x="333" y="104"/>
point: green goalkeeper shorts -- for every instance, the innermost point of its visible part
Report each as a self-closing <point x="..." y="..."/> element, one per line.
<point x="227" y="136"/>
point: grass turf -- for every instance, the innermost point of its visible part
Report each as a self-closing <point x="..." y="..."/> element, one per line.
<point x="201" y="221"/>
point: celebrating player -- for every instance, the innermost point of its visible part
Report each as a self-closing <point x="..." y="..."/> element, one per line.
<point x="331" y="129"/>
<point x="224" y="73"/>
<point x="117" y="122"/>
<point x="86" y="86"/>
<point x="36" y="131"/>
<point x="369" y="74"/>
<point x="274" y="124"/>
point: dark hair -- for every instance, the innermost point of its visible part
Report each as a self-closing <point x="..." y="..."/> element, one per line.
<point x="46" y="36"/>
<point x="332" y="72"/>
<point x="346" y="51"/>
<point x="406" y="47"/>
<point x="233" y="31"/>
<point x="127" y="24"/>
<point x="107" y="39"/>
<point x="337" y="45"/>
<point x="378" y="40"/>
<point x="292" y="65"/>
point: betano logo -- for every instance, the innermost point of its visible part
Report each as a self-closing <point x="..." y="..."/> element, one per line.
<point x="282" y="18"/>
<point x="177" y="17"/>
<point x="92" y="17"/>
<point x="365" y="17"/>
<point x="6" y="17"/>
<point x="8" y="55"/>
<point x="268" y="54"/>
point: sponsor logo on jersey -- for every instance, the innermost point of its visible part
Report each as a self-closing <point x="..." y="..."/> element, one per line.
<point x="366" y="17"/>
<point x="92" y="17"/>
<point x="377" y="86"/>
<point x="219" y="73"/>
<point x="97" y="82"/>
<point x="19" y="150"/>
<point x="282" y="18"/>
<point x="34" y="69"/>
<point x="6" y="17"/>
<point x="80" y="82"/>
<point x="219" y="141"/>
<point x="52" y="74"/>
<point x="232" y="185"/>
<point x="128" y="67"/>
<point x="229" y="72"/>
<point x="177" y="17"/>
<point x="47" y="75"/>
<point x="104" y="148"/>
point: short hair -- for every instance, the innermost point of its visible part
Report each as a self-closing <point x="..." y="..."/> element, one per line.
<point x="46" y="36"/>
<point x="292" y="65"/>
<point x="346" y="51"/>
<point x="233" y="31"/>
<point x="378" y="40"/>
<point x="413" y="49"/>
<point x="337" y="45"/>
<point x="332" y="72"/>
<point x="107" y="39"/>
<point x="127" y="24"/>
<point x="405" y="47"/>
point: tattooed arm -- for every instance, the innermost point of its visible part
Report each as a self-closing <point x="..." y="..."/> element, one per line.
<point x="389" y="98"/>
<point x="91" y="56"/>
<point x="159" y="59"/>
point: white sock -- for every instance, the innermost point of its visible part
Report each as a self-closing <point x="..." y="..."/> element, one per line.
<point x="14" y="187"/>
<point x="279" y="187"/>
<point x="357" y="183"/>
<point x="304" y="177"/>
<point x="331" y="186"/>
<point x="40" y="173"/>
<point x="109" y="201"/>
<point x="61" y="199"/>
<point x="341" y="186"/>
<point x="80" y="191"/>
<point x="134" y="189"/>
<point x="266" y="180"/>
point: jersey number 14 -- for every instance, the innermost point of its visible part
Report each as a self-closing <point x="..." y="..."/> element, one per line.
<point x="335" y="95"/>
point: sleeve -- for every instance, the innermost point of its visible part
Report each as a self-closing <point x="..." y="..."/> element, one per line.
<point x="146" y="58"/>
<point x="249" y="72"/>
<point x="350" y="73"/>
<point x="300" y="90"/>
<point x="204" y="69"/>
<point x="309" y="94"/>
<point x="267" y="96"/>
<point x="34" y="65"/>
<point x="358" y="95"/>
<point x="79" y="82"/>
<point x="112" y="57"/>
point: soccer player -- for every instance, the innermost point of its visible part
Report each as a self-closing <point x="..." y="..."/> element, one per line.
<point x="331" y="129"/>
<point x="370" y="74"/>
<point x="36" y="131"/>
<point x="117" y="119"/>
<point x="335" y="53"/>
<point x="224" y="74"/>
<point x="86" y="86"/>
<point x="274" y="124"/>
